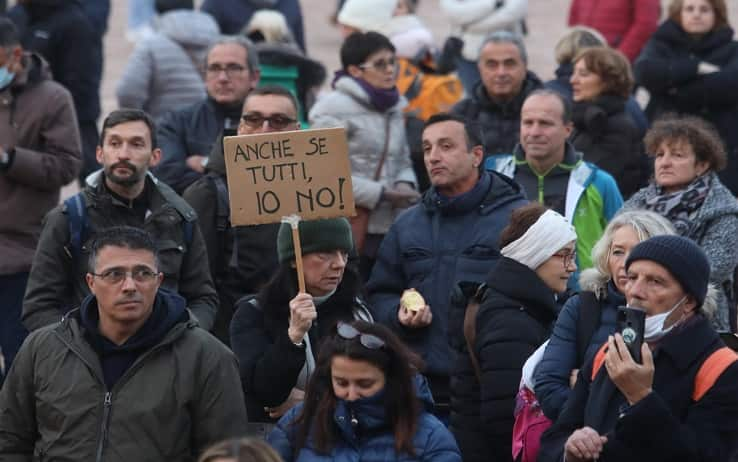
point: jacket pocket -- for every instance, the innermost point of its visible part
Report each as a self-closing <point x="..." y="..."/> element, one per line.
<point x="417" y="264"/>
<point x="476" y="261"/>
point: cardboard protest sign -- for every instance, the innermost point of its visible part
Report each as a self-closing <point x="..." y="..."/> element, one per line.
<point x="304" y="172"/>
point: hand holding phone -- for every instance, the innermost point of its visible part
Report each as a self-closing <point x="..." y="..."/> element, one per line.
<point x="631" y="323"/>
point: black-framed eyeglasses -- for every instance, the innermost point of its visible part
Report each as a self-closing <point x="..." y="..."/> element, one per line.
<point x="380" y="64"/>
<point x="276" y="121"/>
<point x="231" y="70"/>
<point x="567" y="257"/>
<point x="348" y="332"/>
<point x="116" y="275"/>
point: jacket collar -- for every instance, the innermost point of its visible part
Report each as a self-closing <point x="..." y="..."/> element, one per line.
<point x="683" y="353"/>
<point x="347" y="85"/>
<point x="501" y="192"/>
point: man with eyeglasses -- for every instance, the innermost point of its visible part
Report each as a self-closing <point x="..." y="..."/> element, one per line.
<point x="187" y="135"/>
<point x="122" y="193"/>
<point x="126" y="376"/>
<point x="242" y="259"/>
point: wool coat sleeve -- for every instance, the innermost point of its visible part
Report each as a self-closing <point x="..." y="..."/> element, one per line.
<point x="173" y="169"/>
<point x="203" y="199"/>
<point x="720" y="244"/>
<point x="220" y="411"/>
<point x="645" y="21"/>
<point x="716" y="90"/>
<point x="18" y="426"/>
<point x="134" y="86"/>
<point x="269" y="366"/>
<point x="49" y="287"/>
<point x="552" y="373"/>
<point x="58" y="163"/>
<point x="195" y="282"/>
<point x="505" y="340"/>
<point x="659" y="70"/>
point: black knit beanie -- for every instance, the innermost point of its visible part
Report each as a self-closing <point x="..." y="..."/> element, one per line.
<point x="684" y="259"/>
<point x="315" y="236"/>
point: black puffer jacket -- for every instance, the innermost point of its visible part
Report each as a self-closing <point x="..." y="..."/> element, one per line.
<point x="515" y="318"/>
<point x="270" y="363"/>
<point x="500" y="122"/>
<point x="608" y="138"/>
<point x="667" y="68"/>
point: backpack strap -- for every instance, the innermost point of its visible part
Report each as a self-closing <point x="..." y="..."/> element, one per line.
<point x="711" y="370"/>
<point x="590" y="314"/>
<point x="223" y="212"/>
<point x="470" y="326"/>
<point x="76" y="209"/>
<point x="599" y="360"/>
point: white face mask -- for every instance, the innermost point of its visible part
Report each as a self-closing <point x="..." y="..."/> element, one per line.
<point x="654" y="329"/>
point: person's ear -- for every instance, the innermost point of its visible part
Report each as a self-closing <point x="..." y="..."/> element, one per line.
<point x="478" y="154"/>
<point x="354" y="71"/>
<point x="155" y="157"/>
<point x="690" y="304"/>
<point x="90" y="279"/>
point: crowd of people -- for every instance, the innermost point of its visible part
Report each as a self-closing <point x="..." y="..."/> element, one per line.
<point x="537" y="270"/>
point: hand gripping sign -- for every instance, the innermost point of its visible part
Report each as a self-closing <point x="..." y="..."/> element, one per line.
<point x="289" y="176"/>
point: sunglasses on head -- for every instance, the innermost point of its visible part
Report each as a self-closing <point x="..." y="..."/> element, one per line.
<point x="348" y="332"/>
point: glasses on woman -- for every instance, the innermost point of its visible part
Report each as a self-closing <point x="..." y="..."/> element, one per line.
<point x="349" y="332"/>
<point x="567" y="257"/>
<point x="276" y="121"/>
<point x="380" y="64"/>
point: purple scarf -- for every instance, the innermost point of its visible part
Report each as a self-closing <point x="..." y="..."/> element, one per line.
<point x="379" y="98"/>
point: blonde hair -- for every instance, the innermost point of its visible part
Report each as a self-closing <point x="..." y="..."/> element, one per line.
<point x="576" y="39"/>
<point x="240" y="450"/>
<point x="611" y="66"/>
<point x="645" y="224"/>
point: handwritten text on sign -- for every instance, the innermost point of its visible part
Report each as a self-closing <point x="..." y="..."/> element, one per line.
<point x="304" y="172"/>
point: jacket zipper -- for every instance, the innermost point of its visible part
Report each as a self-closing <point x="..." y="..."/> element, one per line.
<point x="107" y="404"/>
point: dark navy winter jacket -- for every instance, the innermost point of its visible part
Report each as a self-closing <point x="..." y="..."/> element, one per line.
<point x="432" y="441"/>
<point x="552" y="373"/>
<point x="432" y="246"/>
<point x="233" y="15"/>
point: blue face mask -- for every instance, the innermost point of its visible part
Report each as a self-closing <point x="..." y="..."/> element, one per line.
<point x="6" y="76"/>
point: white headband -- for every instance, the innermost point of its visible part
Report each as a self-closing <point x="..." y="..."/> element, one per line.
<point x="546" y="237"/>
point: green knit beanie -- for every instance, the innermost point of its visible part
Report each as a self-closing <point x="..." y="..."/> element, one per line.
<point x="315" y="236"/>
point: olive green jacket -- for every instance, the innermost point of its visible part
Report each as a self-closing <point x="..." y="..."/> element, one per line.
<point x="177" y="398"/>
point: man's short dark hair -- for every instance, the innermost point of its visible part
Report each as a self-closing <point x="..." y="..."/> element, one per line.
<point x="276" y="90"/>
<point x="127" y="237"/>
<point x="472" y="130"/>
<point x="120" y="116"/>
<point x="360" y="45"/>
<point x="8" y="33"/>
<point x="565" y="103"/>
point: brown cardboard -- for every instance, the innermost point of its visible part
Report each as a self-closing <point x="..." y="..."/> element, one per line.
<point x="302" y="172"/>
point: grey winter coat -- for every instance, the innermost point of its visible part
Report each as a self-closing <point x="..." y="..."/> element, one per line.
<point x="716" y="232"/>
<point x="165" y="71"/>
<point x="348" y="106"/>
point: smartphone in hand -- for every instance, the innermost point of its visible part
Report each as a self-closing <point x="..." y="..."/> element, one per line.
<point x="631" y="323"/>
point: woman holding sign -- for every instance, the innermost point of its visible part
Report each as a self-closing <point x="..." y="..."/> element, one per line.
<point x="276" y="335"/>
<point x="365" y="101"/>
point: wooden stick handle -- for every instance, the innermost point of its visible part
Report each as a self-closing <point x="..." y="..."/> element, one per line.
<point x="298" y="258"/>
